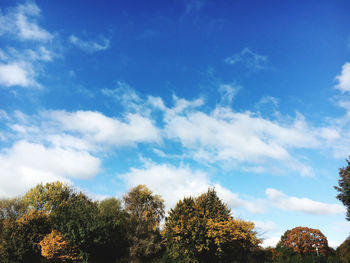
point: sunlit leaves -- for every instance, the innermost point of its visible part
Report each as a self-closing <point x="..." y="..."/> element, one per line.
<point x="306" y="241"/>
<point x="145" y="212"/>
<point x="56" y="248"/>
<point x="202" y="230"/>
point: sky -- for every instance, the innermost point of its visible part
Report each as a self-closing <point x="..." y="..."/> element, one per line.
<point x="249" y="97"/>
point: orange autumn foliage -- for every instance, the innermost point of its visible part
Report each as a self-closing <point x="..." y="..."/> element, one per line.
<point x="306" y="241"/>
<point x="54" y="246"/>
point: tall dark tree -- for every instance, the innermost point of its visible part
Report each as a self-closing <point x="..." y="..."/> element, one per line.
<point x="111" y="224"/>
<point x="343" y="251"/>
<point x="343" y="187"/>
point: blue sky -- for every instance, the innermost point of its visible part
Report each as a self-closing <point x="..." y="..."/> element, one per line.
<point x="249" y="97"/>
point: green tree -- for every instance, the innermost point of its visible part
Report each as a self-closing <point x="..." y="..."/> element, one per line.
<point x="343" y="251"/>
<point x="21" y="237"/>
<point x="343" y="187"/>
<point x="111" y="226"/>
<point x="145" y="212"/>
<point x="12" y="208"/>
<point x="49" y="197"/>
<point x="76" y="220"/>
<point x="95" y="230"/>
<point x="202" y="230"/>
<point x="10" y="211"/>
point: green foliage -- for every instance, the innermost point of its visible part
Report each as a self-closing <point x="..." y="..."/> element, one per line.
<point x="343" y="251"/>
<point x="343" y="187"/>
<point x="21" y="237"/>
<point x="111" y="225"/>
<point x="12" y="208"/>
<point x="145" y="212"/>
<point x="202" y="230"/>
<point x="55" y="223"/>
<point x="97" y="231"/>
<point x="48" y="197"/>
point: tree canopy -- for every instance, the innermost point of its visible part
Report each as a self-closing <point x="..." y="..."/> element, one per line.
<point x="145" y="212"/>
<point x="55" y="223"/>
<point x="202" y="230"/>
<point x="343" y="187"/>
<point x="304" y="241"/>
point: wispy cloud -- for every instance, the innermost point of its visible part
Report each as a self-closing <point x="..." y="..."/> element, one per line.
<point x="21" y="22"/>
<point x="89" y="46"/>
<point x="305" y="205"/>
<point x="19" y="65"/>
<point x="249" y="59"/>
<point x="226" y="135"/>
<point x="126" y="95"/>
<point x="344" y="79"/>
<point x="194" y="5"/>
<point x="228" y="92"/>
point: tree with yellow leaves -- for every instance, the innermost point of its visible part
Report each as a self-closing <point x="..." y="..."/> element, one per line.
<point x="145" y="212"/>
<point x="20" y="238"/>
<point x="202" y="230"/>
<point x="56" y="248"/>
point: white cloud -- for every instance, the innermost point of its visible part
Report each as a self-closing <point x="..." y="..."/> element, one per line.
<point x="344" y="78"/>
<point x="89" y="46"/>
<point x="225" y="135"/>
<point x="26" y="164"/>
<point x="28" y="28"/>
<point x="175" y="183"/>
<point x="21" y="22"/>
<point x="263" y="227"/>
<point x="100" y="129"/>
<point x="249" y="59"/>
<point x="334" y="244"/>
<point x="271" y="241"/>
<point x="20" y="66"/>
<point x="305" y="205"/>
<point x="59" y="145"/>
<point x="16" y="74"/>
<point x="84" y="130"/>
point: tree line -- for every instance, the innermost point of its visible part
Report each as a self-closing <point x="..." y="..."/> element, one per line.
<point x="54" y="222"/>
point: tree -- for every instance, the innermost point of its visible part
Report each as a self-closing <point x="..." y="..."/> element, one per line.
<point x="145" y="212"/>
<point x="10" y="211"/>
<point x="111" y="225"/>
<point x="20" y="238"/>
<point x="343" y="251"/>
<point x="202" y="230"/>
<point x="54" y="222"/>
<point x="76" y="220"/>
<point x="12" y="208"/>
<point x="343" y="187"/>
<point x="305" y="241"/>
<point x="56" y="248"/>
<point x="49" y="197"/>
